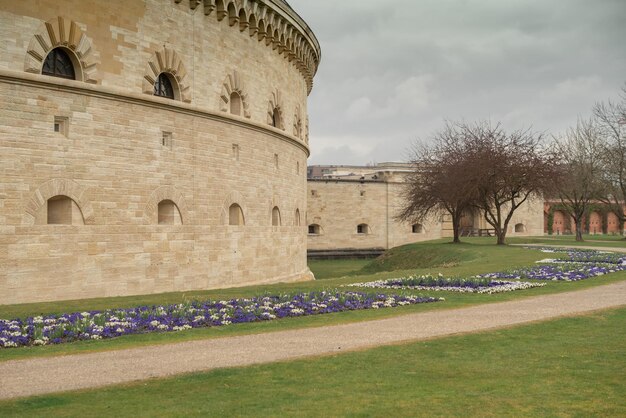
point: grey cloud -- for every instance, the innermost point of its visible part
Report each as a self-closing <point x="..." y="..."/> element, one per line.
<point x="393" y="71"/>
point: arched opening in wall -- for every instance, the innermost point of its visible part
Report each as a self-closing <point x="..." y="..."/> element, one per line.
<point x="275" y="216"/>
<point x="59" y="63"/>
<point x="164" y="86"/>
<point x="417" y="228"/>
<point x="595" y="223"/>
<point x="235" y="103"/>
<point x="297" y="218"/>
<point x="520" y="228"/>
<point x="314" y="229"/>
<point x="62" y="210"/>
<point x="363" y="229"/>
<point x="235" y="215"/>
<point x="276" y="118"/>
<point x="612" y="223"/>
<point x="169" y="213"/>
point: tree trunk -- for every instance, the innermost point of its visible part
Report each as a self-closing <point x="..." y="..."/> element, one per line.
<point x="455" y="229"/>
<point x="501" y="234"/>
<point x="579" y="229"/>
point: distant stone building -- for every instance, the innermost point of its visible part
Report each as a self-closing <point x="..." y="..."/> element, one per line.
<point x="354" y="208"/>
<point x="151" y="146"/>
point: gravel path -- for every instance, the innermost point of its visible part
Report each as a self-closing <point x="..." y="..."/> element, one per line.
<point x="20" y="378"/>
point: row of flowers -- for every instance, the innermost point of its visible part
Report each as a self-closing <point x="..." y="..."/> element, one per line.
<point x="571" y="271"/>
<point x="95" y="325"/>
<point x="582" y="255"/>
<point x="441" y="283"/>
<point x="570" y="265"/>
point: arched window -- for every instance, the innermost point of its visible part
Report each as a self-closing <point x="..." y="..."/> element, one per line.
<point x="297" y="219"/>
<point x="163" y="86"/>
<point x="169" y="213"/>
<point x="62" y="210"/>
<point x="299" y="129"/>
<point x="235" y="215"/>
<point x="58" y="64"/>
<point x="520" y="228"/>
<point x="275" y="216"/>
<point x="235" y="103"/>
<point x="417" y="228"/>
<point x="276" y="118"/>
<point x="314" y="229"/>
<point x="363" y="229"/>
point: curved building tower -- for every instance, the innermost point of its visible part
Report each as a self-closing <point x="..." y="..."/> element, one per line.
<point x="152" y="146"/>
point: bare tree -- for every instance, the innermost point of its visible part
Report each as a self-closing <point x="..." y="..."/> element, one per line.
<point x="440" y="180"/>
<point x="611" y="121"/>
<point x="581" y="182"/>
<point x="508" y="169"/>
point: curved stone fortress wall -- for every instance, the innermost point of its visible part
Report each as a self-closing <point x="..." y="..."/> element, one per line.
<point x="107" y="189"/>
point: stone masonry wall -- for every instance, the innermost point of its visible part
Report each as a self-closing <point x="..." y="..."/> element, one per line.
<point x="339" y="206"/>
<point x="114" y="165"/>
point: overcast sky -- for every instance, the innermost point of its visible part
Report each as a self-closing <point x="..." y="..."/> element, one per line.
<point x="393" y="70"/>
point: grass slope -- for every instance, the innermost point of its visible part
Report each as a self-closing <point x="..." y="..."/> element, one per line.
<point x="326" y="269"/>
<point x="566" y="367"/>
<point x="470" y="254"/>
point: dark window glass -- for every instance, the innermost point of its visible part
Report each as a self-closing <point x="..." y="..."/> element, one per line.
<point x="58" y="64"/>
<point x="163" y="87"/>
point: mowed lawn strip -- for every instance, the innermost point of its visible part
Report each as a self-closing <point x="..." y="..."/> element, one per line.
<point x="485" y="258"/>
<point x="566" y="367"/>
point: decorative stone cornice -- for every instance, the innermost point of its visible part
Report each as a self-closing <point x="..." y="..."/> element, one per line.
<point x="61" y="32"/>
<point x="274" y="22"/>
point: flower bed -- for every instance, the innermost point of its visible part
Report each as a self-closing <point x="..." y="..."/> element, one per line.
<point x="438" y="283"/>
<point x="569" y="271"/>
<point x="95" y="325"/>
<point x="582" y="255"/>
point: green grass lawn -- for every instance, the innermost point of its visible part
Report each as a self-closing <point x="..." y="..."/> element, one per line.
<point x="326" y="269"/>
<point x="565" y="367"/>
<point x="476" y="255"/>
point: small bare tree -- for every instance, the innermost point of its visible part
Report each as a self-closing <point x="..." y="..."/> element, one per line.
<point x="610" y="118"/>
<point x="580" y="182"/>
<point x="508" y="169"/>
<point x="440" y="180"/>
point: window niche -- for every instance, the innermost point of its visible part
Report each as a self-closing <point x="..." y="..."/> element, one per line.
<point x="166" y="139"/>
<point x="520" y="227"/>
<point x="235" y="215"/>
<point x="62" y="210"/>
<point x="297" y="218"/>
<point x="314" y="229"/>
<point x="277" y="118"/>
<point x="276" y="216"/>
<point x="362" y="229"/>
<point x="61" y="125"/>
<point x="169" y="213"/>
<point x="235" y="103"/>
<point x="417" y="229"/>
<point x="235" y="152"/>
